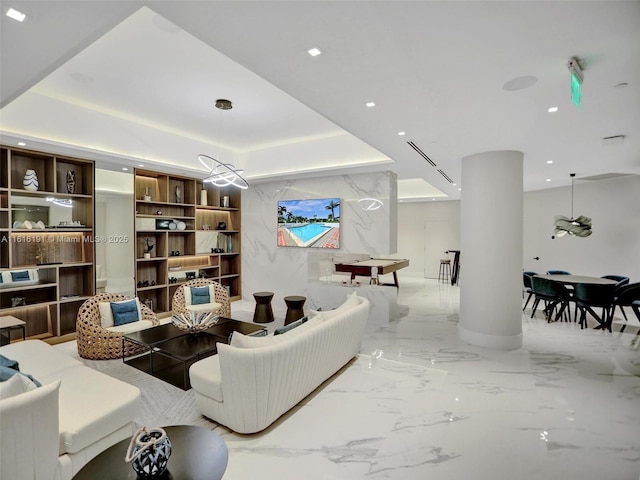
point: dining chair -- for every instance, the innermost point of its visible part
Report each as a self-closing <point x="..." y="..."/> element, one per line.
<point x="589" y="296"/>
<point x="557" y="272"/>
<point x="553" y="294"/>
<point x="627" y="296"/>
<point x="526" y="282"/>
<point x="621" y="279"/>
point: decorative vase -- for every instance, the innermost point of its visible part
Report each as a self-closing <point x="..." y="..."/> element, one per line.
<point x="71" y="181"/>
<point x="203" y="197"/>
<point x="147" y="194"/>
<point x="30" y="181"/>
<point x="225" y="202"/>
<point x="149" y="452"/>
<point x="229" y="245"/>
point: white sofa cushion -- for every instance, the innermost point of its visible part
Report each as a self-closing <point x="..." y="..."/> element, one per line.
<point x="106" y="315"/>
<point x="16" y="385"/>
<point x="29" y="434"/>
<point x="38" y="358"/>
<point x="132" y="327"/>
<point x="204" y="307"/>
<point x="350" y="302"/>
<point x="94" y="404"/>
<point x="206" y="377"/>
<point x="249" y="341"/>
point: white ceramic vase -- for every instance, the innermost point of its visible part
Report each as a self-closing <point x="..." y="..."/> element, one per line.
<point x="30" y="181"/>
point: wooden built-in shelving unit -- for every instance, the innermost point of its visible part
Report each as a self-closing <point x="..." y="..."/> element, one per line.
<point x="62" y="252"/>
<point x="183" y="231"/>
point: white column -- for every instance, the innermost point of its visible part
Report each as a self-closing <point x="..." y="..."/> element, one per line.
<point x="491" y="225"/>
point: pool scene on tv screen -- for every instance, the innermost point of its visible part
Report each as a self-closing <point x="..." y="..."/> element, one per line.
<point x="309" y="223"/>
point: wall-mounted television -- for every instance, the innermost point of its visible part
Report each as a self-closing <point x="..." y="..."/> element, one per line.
<point x="309" y="223"/>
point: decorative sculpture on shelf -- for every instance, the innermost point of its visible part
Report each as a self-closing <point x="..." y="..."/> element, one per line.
<point x="178" y="192"/>
<point x="148" y="246"/>
<point x="71" y="181"/>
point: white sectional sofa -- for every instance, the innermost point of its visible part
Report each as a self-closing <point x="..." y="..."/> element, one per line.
<point x="252" y="381"/>
<point x="51" y="432"/>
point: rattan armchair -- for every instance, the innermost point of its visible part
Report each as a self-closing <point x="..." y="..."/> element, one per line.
<point x="221" y="296"/>
<point x="97" y="343"/>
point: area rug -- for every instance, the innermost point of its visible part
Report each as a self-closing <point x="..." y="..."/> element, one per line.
<point x="162" y="404"/>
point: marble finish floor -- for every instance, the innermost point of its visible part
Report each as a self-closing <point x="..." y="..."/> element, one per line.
<point x="420" y="403"/>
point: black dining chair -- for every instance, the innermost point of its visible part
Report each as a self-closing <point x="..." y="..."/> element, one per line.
<point x="627" y="296"/>
<point x="557" y="272"/>
<point x="621" y="279"/>
<point x="526" y="283"/>
<point x="553" y="294"/>
<point x="589" y="296"/>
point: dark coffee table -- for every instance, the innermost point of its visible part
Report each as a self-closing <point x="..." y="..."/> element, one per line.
<point x="196" y="453"/>
<point x="171" y="351"/>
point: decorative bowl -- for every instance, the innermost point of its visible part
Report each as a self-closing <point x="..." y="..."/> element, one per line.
<point x="195" y="322"/>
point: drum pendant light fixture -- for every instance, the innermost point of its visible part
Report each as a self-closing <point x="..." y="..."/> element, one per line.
<point x="578" y="227"/>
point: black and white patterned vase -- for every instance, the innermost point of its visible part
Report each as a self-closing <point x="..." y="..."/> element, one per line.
<point x="149" y="452"/>
<point x="30" y="180"/>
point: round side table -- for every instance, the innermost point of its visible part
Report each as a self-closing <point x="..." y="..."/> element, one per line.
<point x="263" y="312"/>
<point x="195" y="453"/>
<point x="294" y="308"/>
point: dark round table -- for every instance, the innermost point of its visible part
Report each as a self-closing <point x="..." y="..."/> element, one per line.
<point x="263" y="312"/>
<point x="196" y="454"/>
<point x="294" y="308"/>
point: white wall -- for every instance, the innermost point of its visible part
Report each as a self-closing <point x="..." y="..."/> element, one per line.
<point x="613" y="248"/>
<point x="283" y="270"/>
<point x="425" y="231"/>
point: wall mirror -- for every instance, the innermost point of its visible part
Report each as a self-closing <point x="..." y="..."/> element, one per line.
<point x="114" y="230"/>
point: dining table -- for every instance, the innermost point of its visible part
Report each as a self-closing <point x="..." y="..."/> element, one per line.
<point x="575" y="279"/>
<point x="572" y="280"/>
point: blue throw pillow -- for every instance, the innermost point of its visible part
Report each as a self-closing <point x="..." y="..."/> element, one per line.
<point x="200" y="295"/>
<point x="20" y="276"/>
<point x="8" y="362"/>
<point x="291" y="326"/>
<point x="6" y="373"/>
<point x="124" y="312"/>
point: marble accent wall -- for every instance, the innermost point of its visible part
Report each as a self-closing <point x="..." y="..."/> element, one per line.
<point x="284" y="270"/>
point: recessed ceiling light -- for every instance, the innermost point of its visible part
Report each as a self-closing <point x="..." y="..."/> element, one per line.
<point x="125" y="169"/>
<point x="454" y="184"/>
<point x="402" y="133"/>
<point x="520" y="83"/>
<point x="21" y="144"/>
<point x="552" y="109"/>
<point x="370" y="104"/>
<point x="140" y="165"/>
<point x="549" y="162"/>
<point x="548" y="180"/>
<point x="459" y="189"/>
<point x="314" y="52"/>
<point x="16" y="14"/>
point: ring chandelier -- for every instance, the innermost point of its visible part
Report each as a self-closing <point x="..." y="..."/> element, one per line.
<point x="222" y="174"/>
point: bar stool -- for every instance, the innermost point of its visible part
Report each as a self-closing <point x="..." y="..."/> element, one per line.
<point x="263" y="312"/>
<point x="444" y="274"/>
<point x="294" y="308"/>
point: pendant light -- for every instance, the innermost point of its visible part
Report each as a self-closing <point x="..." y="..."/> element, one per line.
<point x="222" y="174"/>
<point x="578" y="227"/>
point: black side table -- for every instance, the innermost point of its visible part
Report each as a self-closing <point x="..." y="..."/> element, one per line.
<point x="294" y="308"/>
<point x="263" y="312"/>
<point x="196" y="454"/>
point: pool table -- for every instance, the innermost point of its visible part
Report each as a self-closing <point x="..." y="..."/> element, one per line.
<point x="384" y="265"/>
